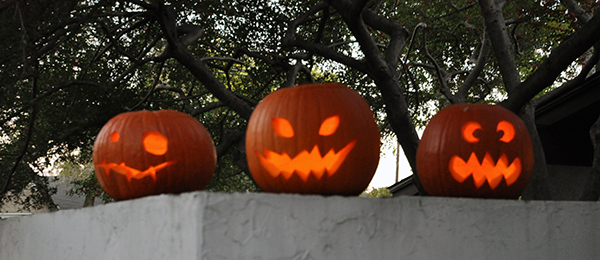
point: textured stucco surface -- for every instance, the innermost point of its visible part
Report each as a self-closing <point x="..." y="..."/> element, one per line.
<point x="203" y="225"/>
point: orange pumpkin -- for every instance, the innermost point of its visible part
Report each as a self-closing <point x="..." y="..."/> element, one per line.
<point x="475" y="150"/>
<point x="313" y="139"/>
<point x="146" y="153"/>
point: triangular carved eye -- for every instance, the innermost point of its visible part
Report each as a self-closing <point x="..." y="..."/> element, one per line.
<point x="282" y="127"/>
<point x="508" y="131"/>
<point x="468" y="130"/>
<point x="155" y="142"/>
<point x="329" y="126"/>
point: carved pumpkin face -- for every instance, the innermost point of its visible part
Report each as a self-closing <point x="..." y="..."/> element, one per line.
<point x="145" y="153"/>
<point x="316" y="138"/>
<point x="475" y="150"/>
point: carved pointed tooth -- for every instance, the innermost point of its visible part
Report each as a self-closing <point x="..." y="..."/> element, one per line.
<point x="459" y="169"/>
<point x="270" y="167"/>
<point x="494" y="181"/>
<point x="511" y="174"/>
<point x="339" y="158"/>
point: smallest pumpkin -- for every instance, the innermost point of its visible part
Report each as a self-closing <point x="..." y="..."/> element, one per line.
<point x="145" y="153"/>
<point x="475" y="150"/>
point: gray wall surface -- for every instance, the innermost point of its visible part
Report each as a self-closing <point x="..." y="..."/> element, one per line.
<point x="204" y="225"/>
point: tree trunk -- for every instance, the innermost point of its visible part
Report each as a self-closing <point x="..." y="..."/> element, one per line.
<point x="591" y="190"/>
<point x="539" y="184"/>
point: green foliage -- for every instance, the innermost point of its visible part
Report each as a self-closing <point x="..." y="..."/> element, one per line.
<point x="82" y="181"/>
<point x="382" y="192"/>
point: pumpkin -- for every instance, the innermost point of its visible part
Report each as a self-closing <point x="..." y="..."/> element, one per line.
<point x="145" y="153"/>
<point x="475" y="150"/>
<point x="313" y="139"/>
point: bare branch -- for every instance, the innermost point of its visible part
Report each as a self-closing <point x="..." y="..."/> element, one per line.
<point x="579" y="12"/>
<point x="484" y="51"/>
<point x="198" y="68"/>
<point x="412" y="39"/>
<point x="292" y="25"/>
<point x="156" y="81"/>
<point x="573" y="83"/>
<point x="191" y="34"/>
<point x="228" y="140"/>
<point x="387" y="80"/>
<point x="503" y="48"/>
<point x="397" y="33"/>
<point x="293" y="74"/>
<point x="559" y="59"/>
<point x="40" y="97"/>
<point x="182" y="97"/>
<point x="444" y="89"/>
<point x="28" y="136"/>
<point x="456" y="10"/>
<point x="222" y="59"/>
<point x="331" y="54"/>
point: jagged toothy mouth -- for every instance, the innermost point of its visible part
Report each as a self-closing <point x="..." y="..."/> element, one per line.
<point x="487" y="170"/>
<point x="305" y="163"/>
<point x="131" y="173"/>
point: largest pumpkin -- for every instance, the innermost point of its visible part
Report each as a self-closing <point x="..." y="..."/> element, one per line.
<point x="144" y="153"/>
<point x="475" y="150"/>
<point x="313" y="139"/>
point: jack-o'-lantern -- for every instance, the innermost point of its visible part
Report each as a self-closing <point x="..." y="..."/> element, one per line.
<point x="313" y="139"/>
<point x="475" y="150"/>
<point x="145" y="153"/>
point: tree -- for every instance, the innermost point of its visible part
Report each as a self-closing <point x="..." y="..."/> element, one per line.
<point x="82" y="181"/>
<point x="69" y="66"/>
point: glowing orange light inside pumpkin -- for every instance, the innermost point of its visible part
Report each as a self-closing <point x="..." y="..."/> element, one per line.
<point x="114" y="137"/>
<point x="304" y="163"/>
<point x="329" y="126"/>
<point x="131" y="173"/>
<point x="508" y="129"/>
<point x="155" y="142"/>
<point x="488" y="170"/>
<point x="282" y="127"/>
<point x="468" y="130"/>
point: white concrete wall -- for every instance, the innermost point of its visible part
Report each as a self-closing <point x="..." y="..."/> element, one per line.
<point x="211" y="226"/>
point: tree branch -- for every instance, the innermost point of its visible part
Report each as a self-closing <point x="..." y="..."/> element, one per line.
<point x="579" y="12"/>
<point x="156" y="81"/>
<point x="560" y="58"/>
<point x="293" y="74"/>
<point x="398" y="35"/>
<point x="228" y="140"/>
<point x="28" y="136"/>
<point x="330" y="53"/>
<point x="199" y="69"/>
<point x="292" y="25"/>
<point x="387" y="80"/>
<point x="503" y="48"/>
<point x="444" y="89"/>
<point x="573" y="83"/>
<point x="462" y="92"/>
